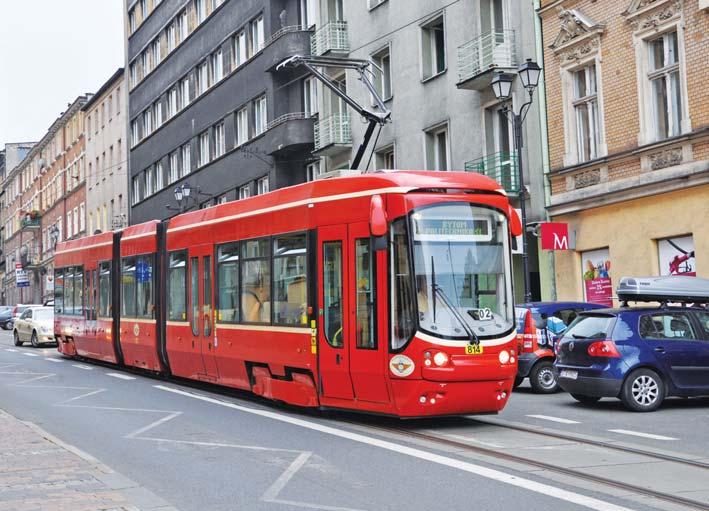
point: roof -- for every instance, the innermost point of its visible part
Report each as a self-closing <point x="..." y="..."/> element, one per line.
<point x="559" y="305"/>
<point x="86" y="242"/>
<point x="114" y="78"/>
<point x="675" y="288"/>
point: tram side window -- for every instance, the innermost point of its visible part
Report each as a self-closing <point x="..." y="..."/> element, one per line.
<point x="59" y="291"/>
<point x="144" y="286"/>
<point x="364" y="280"/>
<point x="128" y="287"/>
<point x="104" y="290"/>
<point x="228" y="283"/>
<point x="69" y="291"/>
<point x="332" y="289"/>
<point x="78" y="291"/>
<point x="256" y="281"/>
<point x="402" y="296"/>
<point x="194" y="294"/>
<point x="177" y="287"/>
<point x="290" y="280"/>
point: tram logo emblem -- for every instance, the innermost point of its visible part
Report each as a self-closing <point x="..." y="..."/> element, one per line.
<point x="401" y="365"/>
<point x="136" y="329"/>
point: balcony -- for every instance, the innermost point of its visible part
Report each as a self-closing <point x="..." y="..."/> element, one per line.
<point x="502" y="167"/>
<point x="31" y="222"/>
<point x="332" y="134"/>
<point x="285" y="43"/>
<point x="480" y="58"/>
<point x="331" y="38"/>
<point x="289" y="134"/>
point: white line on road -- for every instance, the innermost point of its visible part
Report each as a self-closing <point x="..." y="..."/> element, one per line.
<point x="30" y="354"/>
<point x="496" y="475"/>
<point x="554" y="419"/>
<point x="10" y="349"/>
<point x="81" y="366"/>
<point x="120" y="376"/>
<point x="51" y="359"/>
<point x="644" y="435"/>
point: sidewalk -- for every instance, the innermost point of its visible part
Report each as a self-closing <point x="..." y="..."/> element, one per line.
<point x="40" y="472"/>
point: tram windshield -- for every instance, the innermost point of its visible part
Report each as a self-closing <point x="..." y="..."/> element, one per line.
<point x="462" y="271"/>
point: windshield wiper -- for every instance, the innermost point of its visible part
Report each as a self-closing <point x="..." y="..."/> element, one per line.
<point x="471" y="334"/>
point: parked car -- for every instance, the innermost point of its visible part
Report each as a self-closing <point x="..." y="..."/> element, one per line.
<point x="17" y="310"/>
<point x="35" y="325"/>
<point x="538" y="326"/>
<point x="6" y="317"/>
<point x="640" y="355"/>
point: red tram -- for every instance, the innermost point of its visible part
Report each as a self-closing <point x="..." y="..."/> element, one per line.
<point x="387" y="292"/>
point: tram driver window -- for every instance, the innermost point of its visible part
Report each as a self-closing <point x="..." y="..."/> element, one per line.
<point x="402" y="306"/>
<point x="228" y="283"/>
<point x="59" y="291"/>
<point x="332" y="288"/>
<point x="289" y="280"/>
<point x="177" y="287"/>
<point x="104" y="290"/>
<point x="144" y="287"/>
<point x="128" y="287"/>
<point x="256" y="281"/>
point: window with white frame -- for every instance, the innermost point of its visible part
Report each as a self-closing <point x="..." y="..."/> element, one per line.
<point x="204" y="148"/>
<point x="385" y="158"/>
<point x="186" y="159"/>
<point x="312" y="171"/>
<point x="382" y="73"/>
<point x="222" y="199"/>
<point x="131" y="20"/>
<point x="219" y="140"/>
<point x="663" y="75"/>
<point x="134" y="133"/>
<point x="69" y="225"/>
<point x="245" y="192"/>
<point x="256" y="36"/>
<point x="433" y="48"/>
<point x="200" y="10"/>
<point x="159" y="176"/>
<point x="157" y="111"/>
<point x="149" y="183"/>
<point x="202" y="78"/>
<point x="157" y="52"/>
<point x="436" y="147"/>
<point x="242" y="126"/>
<point x="217" y="67"/>
<point x="183" y="28"/>
<point x="308" y="13"/>
<point x="260" y="113"/>
<point x="147" y="123"/>
<point x="171" y="36"/>
<point x="240" y="49"/>
<point x="310" y="96"/>
<point x="144" y="9"/>
<point x="76" y="220"/>
<point x="82" y="216"/>
<point x="135" y="189"/>
<point x="172" y="103"/>
<point x="585" y="103"/>
<point x="262" y="185"/>
<point x="184" y="92"/>
<point x="174" y="169"/>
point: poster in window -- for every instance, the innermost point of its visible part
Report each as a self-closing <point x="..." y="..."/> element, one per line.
<point x="597" y="284"/>
<point x="676" y="256"/>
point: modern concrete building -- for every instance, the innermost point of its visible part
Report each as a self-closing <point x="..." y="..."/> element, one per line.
<point x="628" y="139"/>
<point x="434" y="64"/>
<point x="207" y="106"/>
<point x="106" y="156"/>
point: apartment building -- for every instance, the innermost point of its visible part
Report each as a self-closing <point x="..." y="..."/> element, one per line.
<point x="106" y="156"/>
<point x="45" y="201"/>
<point x="628" y="138"/>
<point x="434" y="61"/>
<point x="207" y="106"/>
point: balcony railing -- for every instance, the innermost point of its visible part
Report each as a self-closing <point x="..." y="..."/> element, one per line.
<point x="331" y="38"/>
<point x="293" y="116"/>
<point x="333" y="130"/>
<point x="502" y="167"/>
<point x="28" y="222"/>
<point x="486" y="53"/>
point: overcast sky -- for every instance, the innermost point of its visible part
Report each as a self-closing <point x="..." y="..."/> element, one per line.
<point x="51" y="51"/>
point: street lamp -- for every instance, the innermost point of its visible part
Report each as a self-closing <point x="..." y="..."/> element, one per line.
<point x="529" y="73"/>
<point x="183" y="193"/>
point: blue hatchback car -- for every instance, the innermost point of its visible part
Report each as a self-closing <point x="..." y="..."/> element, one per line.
<point x="640" y="355"/>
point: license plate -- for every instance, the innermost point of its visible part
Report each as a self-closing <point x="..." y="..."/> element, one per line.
<point x="567" y="373"/>
<point x="473" y="349"/>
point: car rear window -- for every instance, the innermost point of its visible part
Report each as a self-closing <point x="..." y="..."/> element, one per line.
<point x="590" y="327"/>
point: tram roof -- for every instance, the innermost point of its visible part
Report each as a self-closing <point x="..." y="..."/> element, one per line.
<point x="332" y="189"/>
<point x="94" y="240"/>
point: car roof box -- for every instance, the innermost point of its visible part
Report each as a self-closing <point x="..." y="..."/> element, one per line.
<point x="674" y="288"/>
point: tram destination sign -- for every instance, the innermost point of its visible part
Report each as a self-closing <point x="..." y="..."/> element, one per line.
<point x="452" y="229"/>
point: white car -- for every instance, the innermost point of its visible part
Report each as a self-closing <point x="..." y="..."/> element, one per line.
<point x="35" y="325"/>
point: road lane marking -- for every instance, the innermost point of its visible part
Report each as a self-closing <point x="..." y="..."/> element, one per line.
<point x="30" y="354"/>
<point x="643" y="435"/>
<point x="51" y="359"/>
<point x="554" y="419"/>
<point x="11" y="349"/>
<point x="496" y="475"/>
<point x="81" y="366"/>
<point x="120" y="376"/>
<point x="476" y="441"/>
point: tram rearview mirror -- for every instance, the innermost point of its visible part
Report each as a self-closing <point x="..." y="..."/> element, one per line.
<point x="377" y="216"/>
<point x="515" y="222"/>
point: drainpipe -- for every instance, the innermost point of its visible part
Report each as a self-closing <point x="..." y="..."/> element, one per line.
<point x="539" y="42"/>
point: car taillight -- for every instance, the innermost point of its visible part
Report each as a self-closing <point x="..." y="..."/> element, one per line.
<point x="603" y="349"/>
<point x="529" y="337"/>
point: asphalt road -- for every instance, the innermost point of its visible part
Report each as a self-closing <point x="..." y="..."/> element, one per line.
<point x="204" y="451"/>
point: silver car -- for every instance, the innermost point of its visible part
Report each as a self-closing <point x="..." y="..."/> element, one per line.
<point x="35" y="325"/>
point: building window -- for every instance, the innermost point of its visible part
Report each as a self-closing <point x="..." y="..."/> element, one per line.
<point x="217" y="67"/>
<point x="76" y="220"/>
<point x="149" y="186"/>
<point x="436" y="147"/>
<point x="147" y="123"/>
<point x="664" y="78"/>
<point x="219" y="140"/>
<point x="222" y="199"/>
<point x="256" y="36"/>
<point x="262" y="185"/>
<point x="157" y="52"/>
<point x="172" y="107"/>
<point x="82" y="216"/>
<point x="312" y="171"/>
<point x="186" y="159"/>
<point x="184" y="92"/>
<point x="242" y="126"/>
<point x="171" y="36"/>
<point x="245" y="192"/>
<point x="159" y="176"/>
<point x="260" y="113"/>
<point x="310" y="96"/>
<point x="240" y="49"/>
<point x="204" y="148"/>
<point x="200" y="10"/>
<point x="131" y="20"/>
<point x="386" y="159"/>
<point x="382" y="73"/>
<point x="308" y="11"/>
<point x="202" y="78"/>
<point x="586" y="113"/>
<point x="174" y="169"/>
<point x="136" y="191"/>
<point x="143" y="9"/>
<point x="157" y="109"/>
<point x="433" y="48"/>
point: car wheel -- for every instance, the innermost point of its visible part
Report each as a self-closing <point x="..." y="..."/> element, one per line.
<point x="16" y="338"/>
<point x="542" y="378"/>
<point x="587" y="400"/>
<point x="518" y="382"/>
<point x="33" y="339"/>
<point x="643" y="391"/>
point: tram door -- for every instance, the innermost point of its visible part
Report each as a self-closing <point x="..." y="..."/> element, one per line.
<point x="201" y="311"/>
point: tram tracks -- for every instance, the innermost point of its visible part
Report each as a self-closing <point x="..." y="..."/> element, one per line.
<point x="504" y="454"/>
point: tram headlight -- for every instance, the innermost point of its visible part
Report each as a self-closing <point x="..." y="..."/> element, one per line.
<point x="440" y="359"/>
<point x="504" y="357"/>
